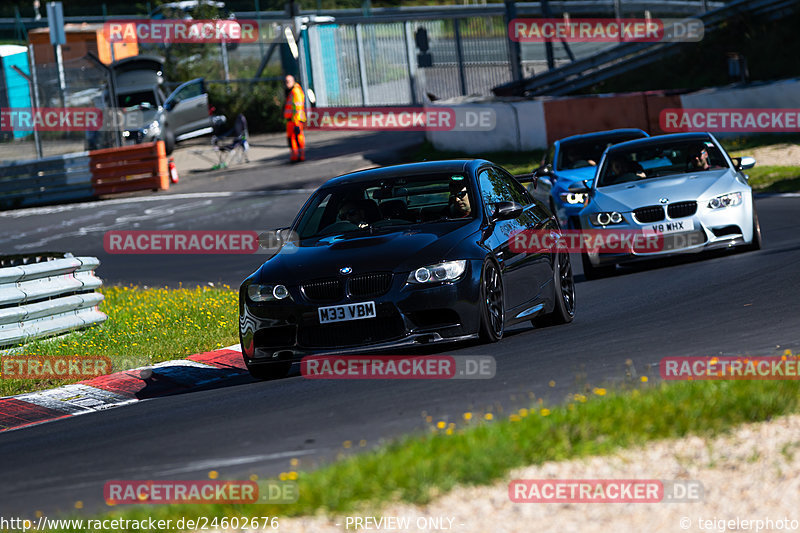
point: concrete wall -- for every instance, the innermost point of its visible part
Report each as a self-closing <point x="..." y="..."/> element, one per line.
<point x="534" y="124"/>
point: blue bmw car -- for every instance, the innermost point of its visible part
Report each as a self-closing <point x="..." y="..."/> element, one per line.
<point x="574" y="159"/>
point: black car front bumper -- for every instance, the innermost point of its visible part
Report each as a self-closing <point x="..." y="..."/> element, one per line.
<point x="406" y="315"/>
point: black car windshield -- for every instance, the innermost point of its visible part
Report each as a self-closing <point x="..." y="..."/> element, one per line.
<point x="386" y="203"/>
<point x="654" y="160"/>
<point x="587" y="152"/>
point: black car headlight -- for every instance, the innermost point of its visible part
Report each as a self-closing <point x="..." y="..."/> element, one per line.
<point x="726" y="200"/>
<point x="446" y="271"/>
<point x="606" y="218"/>
<point x="267" y="293"/>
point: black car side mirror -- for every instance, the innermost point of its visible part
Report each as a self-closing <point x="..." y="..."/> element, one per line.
<point x="544" y="170"/>
<point x="274" y="239"/>
<point x="506" y="211"/>
<point x="582" y="187"/>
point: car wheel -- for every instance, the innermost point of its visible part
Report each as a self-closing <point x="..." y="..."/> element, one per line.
<point x="564" y="294"/>
<point x="492" y="323"/>
<point x="269" y="371"/>
<point x="755" y="244"/>
<point x="169" y="141"/>
<point x="591" y="272"/>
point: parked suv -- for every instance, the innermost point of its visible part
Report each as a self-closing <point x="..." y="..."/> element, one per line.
<point x="181" y="115"/>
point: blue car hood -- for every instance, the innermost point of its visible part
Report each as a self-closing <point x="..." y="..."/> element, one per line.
<point x="576" y="174"/>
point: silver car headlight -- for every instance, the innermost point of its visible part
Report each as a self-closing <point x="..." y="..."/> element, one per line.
<point x="154" y="127"/>
<point x="447" y="271"/>
<point x="573" y="198"/>
<point x="267" y="293"/>
<point x="606" y="218"/>
<point x="726" y="200"/>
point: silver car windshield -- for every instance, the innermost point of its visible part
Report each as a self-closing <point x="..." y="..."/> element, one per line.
<point x="654" y="160"/>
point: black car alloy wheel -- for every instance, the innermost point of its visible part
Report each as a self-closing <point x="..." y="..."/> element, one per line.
<point x="492" y="312"/>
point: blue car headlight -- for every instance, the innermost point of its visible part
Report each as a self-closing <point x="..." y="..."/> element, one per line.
<point x="608" y="218"/>
<point x="267" y="293"/>
<point x="726" y="200"/>
<point x="446" y="271"/>
<point x="573" y="198"/>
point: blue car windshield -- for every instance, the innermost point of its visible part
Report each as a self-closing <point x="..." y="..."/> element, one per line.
<point x="586" y="152"/>
<point x="654" y="160"/>
<point x="386" y="203"/>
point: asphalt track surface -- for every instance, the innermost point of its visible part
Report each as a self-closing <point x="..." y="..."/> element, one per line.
<point x="720" y="304"/>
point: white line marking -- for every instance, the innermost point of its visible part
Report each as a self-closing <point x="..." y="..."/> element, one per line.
<point x="51" y="209"/>
<point x="211" y="464"/>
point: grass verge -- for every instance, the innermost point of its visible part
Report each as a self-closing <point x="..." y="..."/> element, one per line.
<point x="476" y="451"/>
<point x="144" y="326"/>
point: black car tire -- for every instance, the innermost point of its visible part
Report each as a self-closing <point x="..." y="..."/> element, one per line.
<point x="564" y="294"/>
<point x="756" y="243"/>
<point x="492" y="318"/>
<point x="591" y="272"/>
<point x="269" y="371"/>
<point x="169" y="140"/>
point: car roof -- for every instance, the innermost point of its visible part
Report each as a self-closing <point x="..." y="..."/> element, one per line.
<point x="603" y="133"/>
<point x="425" y="167"/>
<point x="658" y="139"/>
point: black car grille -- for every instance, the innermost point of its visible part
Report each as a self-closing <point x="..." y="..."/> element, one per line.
<point x="356" y="333"/>
<point x="358" y="286"/>
<point x="651" y="213"/>
<point x="369" y="285"/>
<point x="323" y="290"/>
<point x="681" y="209"/>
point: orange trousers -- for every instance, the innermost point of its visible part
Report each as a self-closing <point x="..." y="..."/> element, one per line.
<point x="297" y="140"/>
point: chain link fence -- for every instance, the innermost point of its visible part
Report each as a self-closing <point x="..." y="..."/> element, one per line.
<point x="378" y="63"/>
<point x="85" y="85"/>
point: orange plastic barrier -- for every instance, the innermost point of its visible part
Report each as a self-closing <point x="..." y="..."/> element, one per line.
<point x="130" y="168"/>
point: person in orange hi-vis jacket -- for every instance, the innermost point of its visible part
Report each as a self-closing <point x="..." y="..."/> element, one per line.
<point x="294" y="111"/>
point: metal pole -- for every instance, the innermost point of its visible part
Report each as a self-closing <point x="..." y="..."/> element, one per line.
<point x="37" y="142"/>
<point x="412" y="64"/>
<point x="460" y="56"/>
<point x="224" y="50"/>
<point x="362" y="67"/>
<point x="62" y="80"/>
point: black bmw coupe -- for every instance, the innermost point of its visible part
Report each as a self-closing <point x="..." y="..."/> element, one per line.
<point x="403" y="256"/>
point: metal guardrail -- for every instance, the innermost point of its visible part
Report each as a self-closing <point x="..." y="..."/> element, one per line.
<point x="45" y="295"/>
<point x="625" y="57"/>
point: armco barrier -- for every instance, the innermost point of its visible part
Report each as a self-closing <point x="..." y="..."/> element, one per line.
<point x="48" y="297"/>
<point x="83" y="175"/>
